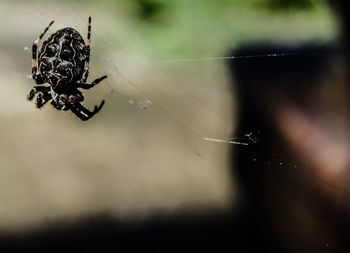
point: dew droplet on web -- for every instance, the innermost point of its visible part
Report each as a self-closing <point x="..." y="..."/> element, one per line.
<point x="141" y="104"/>
<point x="144" y="105"/>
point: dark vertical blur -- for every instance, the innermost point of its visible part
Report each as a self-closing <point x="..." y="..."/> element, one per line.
<point x="341" y="8"/>
<point x="294" y="178"/>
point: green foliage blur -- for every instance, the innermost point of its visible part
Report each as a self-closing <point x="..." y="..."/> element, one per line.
<point x="148" y="8"/>
<point x="291" y="4"/>
<point x="204" y="28"/>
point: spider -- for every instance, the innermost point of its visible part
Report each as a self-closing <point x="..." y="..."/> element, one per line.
<point x="63" y="63"/>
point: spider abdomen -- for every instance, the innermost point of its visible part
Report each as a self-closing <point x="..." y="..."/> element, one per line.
<point x="62" y="58"/>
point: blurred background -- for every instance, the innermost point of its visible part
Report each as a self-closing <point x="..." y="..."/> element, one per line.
<point x="149" y="150"/>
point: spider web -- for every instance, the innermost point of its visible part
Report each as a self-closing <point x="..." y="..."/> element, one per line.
<point x="160" y="144"/>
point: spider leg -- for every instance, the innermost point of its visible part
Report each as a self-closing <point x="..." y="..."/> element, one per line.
<point x="87" y="48"/>
<point x="42" y="94"/>
<point x="83" y="113"/>
<point x="89" y="86"/>
<point x="35" y="55"/>
<point x="56" y="105"/>
<point x="42" y="99"/>
<point x="64" y="101"/>
<point x="36" y="89"/>
<point x="61" y="102"/>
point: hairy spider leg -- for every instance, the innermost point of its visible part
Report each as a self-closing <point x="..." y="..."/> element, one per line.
<point x="61" y="102"/>
<point x="36" y="89"/>
<point x="56" y="105"/>
<point x="83" y="113"/>
<point x="87" y="48"/>
<point x="87" y="86"/>
<point x="35" y="54"/>
<point x="42" y="94"/>
<point x="42" y="98"/>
